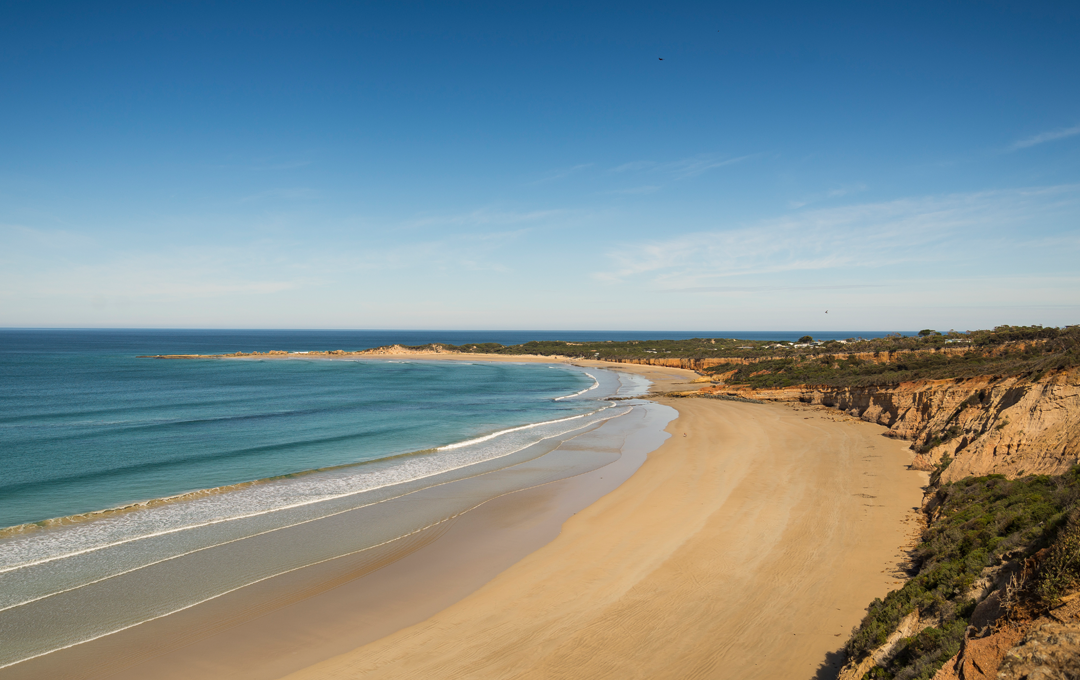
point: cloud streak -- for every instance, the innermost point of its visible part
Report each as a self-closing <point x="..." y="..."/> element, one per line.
<point x="636" y="191"/>
<point x="832" y="193"/>
<point x="633" y="166"/>
<point x="684" y="167"/>
<point x="287" y="194"/>
<point x="920" y="231"/>
<point x="560" y="174"/>
<point x="485" y="217"/>
<point x="1044" y="137"/>
<point x="692" y="167"/>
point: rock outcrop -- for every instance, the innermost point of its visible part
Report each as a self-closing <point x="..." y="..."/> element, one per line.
<point x="1049" y="651"/>
<point x="1012" y="426"/>
<point x="980" y="658"/>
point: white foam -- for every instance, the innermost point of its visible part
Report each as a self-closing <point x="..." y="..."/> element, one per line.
<point x="493" y="435"/>
<point x="596" y="383"/>
<point x="272" y="497"/>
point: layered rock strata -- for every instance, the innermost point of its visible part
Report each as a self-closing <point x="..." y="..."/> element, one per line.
<point x="1012" y="426"/>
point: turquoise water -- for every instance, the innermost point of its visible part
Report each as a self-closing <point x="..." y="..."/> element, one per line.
<point x="85" y="425"/>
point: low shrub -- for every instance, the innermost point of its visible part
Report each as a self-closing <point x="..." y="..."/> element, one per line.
<point x="1060" y="570"/>
<point x="979" y="520"/>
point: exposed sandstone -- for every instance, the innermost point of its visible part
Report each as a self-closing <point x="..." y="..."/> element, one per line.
<point x="1012" y="426"/>
<point x="908" y="626"/>
<point x="1049" y="651"/>
<point x="979" y="659"/>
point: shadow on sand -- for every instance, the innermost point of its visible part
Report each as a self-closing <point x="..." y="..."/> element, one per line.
<point x="830" y="667"/>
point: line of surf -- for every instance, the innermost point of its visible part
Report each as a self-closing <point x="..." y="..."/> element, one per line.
<point x="288" y="571"/>
<point x="596" y="383"/>
<point x="488" y="437"/>
<point x="221" y="520"/>
<point x="287" y="526"/>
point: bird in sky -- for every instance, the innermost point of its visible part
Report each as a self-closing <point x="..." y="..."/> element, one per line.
<point x="661" y="58"/>
<point x="826" y="311"/>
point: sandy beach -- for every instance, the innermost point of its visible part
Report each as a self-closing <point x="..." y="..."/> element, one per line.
<point x="746" y="546"/>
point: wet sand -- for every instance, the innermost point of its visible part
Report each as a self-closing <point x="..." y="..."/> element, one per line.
<point x="747" y="546"/>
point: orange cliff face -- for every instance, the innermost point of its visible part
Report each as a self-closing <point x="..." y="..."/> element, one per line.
<point x="1011" y="426"/>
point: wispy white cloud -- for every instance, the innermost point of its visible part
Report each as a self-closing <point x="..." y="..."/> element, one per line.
<point x="261" y="164"/>
<point x="682" y="168"/>
<point x="560" y="174"/>
<point x="485" y="217"/>
<point x="647" y="189"/>
<point x="287" y="194"/>
<point x="288" y="165"/>
<point x="917" y="231"/>
<point x="633" y="165"/>
<point x="1044" y="137"/>
<point x="697" y="165"/>
<point x="839" y="192"/>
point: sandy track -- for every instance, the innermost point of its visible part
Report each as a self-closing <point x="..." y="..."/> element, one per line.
<point x="747" y="548"/>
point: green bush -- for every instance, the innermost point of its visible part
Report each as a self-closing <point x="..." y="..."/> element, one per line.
<point x="1063" y="351"/>
<point x="980" y="519"/>
<point x="1060" y="570"/>
<point x="1056" y="348"/>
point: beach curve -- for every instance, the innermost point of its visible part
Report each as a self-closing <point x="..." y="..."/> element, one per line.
<point x="748" y="546"/>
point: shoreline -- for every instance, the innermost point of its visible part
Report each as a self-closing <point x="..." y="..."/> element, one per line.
<point x="185" y="495"/>
<point x="583" y="476"/>
<point x="701" y="564"/>
<point x="630" y="547"/>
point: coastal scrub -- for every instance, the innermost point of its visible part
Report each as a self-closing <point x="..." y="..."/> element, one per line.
<point x="978" y="526"/>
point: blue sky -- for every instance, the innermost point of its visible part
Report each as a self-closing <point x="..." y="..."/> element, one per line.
<point x="468" y="165"/>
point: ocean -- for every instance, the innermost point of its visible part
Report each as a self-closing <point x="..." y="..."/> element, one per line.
<point x="122" y="474"/>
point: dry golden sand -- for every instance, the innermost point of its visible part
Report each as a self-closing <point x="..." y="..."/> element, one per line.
<point x="747" y="546"/>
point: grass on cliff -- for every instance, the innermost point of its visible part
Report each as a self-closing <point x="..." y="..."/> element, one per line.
<point x="980" y="522"/>
<point x="1013" y="359"/>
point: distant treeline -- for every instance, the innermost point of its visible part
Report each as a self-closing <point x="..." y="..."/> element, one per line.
<point x="1005" y="350"/>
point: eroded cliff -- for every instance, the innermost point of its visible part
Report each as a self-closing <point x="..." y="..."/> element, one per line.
<point x="1012" y="426"/>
